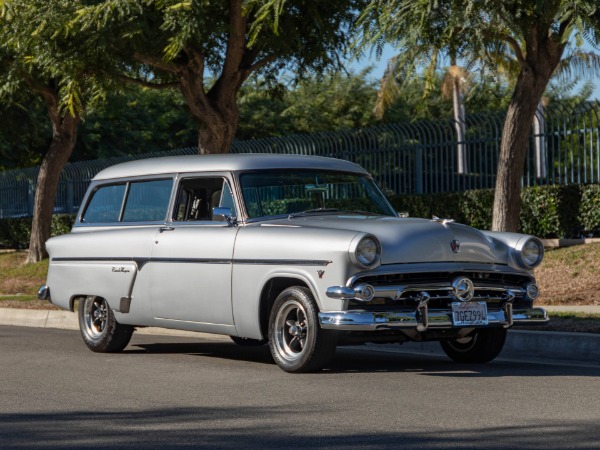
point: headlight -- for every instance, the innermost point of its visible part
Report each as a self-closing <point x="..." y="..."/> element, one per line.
<point x="529" y="252"/>
<point x="365" y="252"/>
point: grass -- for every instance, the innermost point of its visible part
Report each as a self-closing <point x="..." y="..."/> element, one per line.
<point x="20" y="279"/>
<point x="571" y="321"/>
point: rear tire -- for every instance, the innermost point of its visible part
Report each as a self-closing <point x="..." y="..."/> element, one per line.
<point x="99" y="329"/>
<point x="297" y="342"/>
<point x="481" y="346"/>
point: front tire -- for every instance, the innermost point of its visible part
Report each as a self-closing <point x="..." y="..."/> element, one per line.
<point x="297" y="342"/>
<point x="99" y="329"/>
<point x="481" y="346"/>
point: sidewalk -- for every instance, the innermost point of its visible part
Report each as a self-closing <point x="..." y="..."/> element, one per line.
<point x="67" y="320"/>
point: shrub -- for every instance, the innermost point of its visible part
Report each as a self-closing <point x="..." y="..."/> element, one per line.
<point x="565" y="211"/>
<point x="590" y="209"/>
<point x="15" y="233"/>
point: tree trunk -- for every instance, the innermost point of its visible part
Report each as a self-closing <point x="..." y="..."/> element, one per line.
<point x="543" y="53"/>
<point x="64" y="136"/>
<point x="217" y="136"/>
<point x="216" y="111"/>
<point x="513" y="150"/>
<point x="458" y="106"/>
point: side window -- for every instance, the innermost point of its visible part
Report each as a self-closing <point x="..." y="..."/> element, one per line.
<point x="105" y="205"/>
<point x="147" y="201"/>
<point x="197" y="197"/>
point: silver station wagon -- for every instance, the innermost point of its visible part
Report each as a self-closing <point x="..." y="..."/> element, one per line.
<point x="303" y="253"/>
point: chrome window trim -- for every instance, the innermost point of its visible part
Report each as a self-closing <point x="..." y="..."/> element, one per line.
<point x="179" y="177"/>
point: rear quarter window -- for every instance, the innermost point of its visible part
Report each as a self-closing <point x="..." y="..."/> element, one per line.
<point x="105" y="205"/>
<point x="136" y="201"/>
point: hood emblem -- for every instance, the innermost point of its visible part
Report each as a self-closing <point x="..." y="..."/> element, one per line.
<point x="463" y="289"/>
<point x="455" y="246"/>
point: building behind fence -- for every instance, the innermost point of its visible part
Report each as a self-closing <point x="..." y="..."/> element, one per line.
<point x="412" y="158"/>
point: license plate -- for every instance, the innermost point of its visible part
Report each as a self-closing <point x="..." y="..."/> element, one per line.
<point x="469" y="314"/>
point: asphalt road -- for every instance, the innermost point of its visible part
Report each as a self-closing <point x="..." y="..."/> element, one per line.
<point x="166" y="391"/>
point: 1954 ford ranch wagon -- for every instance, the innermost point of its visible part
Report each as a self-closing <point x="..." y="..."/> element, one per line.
<point x="303" y="253"/>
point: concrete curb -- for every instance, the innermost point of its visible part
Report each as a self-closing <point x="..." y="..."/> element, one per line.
<point x="522" y="345"/>
<point x="66" y="320"/>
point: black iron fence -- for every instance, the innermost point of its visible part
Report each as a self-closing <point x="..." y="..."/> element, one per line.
<point x="419" y="157"/>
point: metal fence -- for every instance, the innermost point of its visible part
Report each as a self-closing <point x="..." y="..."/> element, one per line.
<point x="418" y="157"/>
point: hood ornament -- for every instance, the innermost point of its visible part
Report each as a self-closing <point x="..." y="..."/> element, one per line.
<point x="455" y="246"/>
<point x="444" y="222"/>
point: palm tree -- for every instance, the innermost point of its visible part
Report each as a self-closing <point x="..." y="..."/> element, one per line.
<point x="456" y="83"/>
<point x="535" y="35"/>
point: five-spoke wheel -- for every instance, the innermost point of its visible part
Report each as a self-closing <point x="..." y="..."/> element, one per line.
<point x="297" y="342"/>
<point x="100" y="330"/>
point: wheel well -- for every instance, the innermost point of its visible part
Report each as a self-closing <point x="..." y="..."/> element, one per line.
<point x="74" y="299"/>
<point x="268" y="295"/>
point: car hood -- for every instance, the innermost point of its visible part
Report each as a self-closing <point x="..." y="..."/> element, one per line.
<point x="412" y="240"/>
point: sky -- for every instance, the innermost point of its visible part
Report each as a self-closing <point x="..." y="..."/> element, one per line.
<point x="379" y="66"/>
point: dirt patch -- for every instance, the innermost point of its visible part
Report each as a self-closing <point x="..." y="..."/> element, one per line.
<point x="569" y="276"/>
<point x="33" y="304"/>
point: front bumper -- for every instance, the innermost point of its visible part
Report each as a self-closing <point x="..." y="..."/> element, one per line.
<point x="360" y="320"/>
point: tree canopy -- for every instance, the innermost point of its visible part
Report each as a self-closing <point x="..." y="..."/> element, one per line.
<point x="533" y="35"/>
<point x="37" y="60"/>
<point x="207" y="50"/>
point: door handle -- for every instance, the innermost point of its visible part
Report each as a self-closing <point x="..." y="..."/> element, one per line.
<point x="161" y="229"/>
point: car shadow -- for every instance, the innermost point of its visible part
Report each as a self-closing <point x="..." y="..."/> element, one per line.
<point x="350" y="360"/>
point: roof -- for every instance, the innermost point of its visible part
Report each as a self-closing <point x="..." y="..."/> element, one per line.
<point x="224" y="163"/>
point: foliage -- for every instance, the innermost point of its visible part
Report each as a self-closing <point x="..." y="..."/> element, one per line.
<point x="24" y="132"/>
<point x="174" y="43"/>
<point x="15" y="233"/>
<point x="566" y="211"/>
<point x="135" y="120"/>
<point x="527" y="39"/>
<point x="38" y="58"/>
<point x="590" y="209"/>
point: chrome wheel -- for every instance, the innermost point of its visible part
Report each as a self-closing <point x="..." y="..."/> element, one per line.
<point x="291" y="330"/>
<point x="95" y="316"/>
<point x="99" y="328"/>
<point x="296" y="341"/>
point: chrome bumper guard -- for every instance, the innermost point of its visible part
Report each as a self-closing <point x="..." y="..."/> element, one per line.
<point x="360" y="320"/>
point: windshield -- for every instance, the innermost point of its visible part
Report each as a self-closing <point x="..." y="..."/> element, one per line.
<point x="295" y="193"/>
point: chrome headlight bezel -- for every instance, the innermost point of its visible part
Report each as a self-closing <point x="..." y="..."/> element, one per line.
<point x="365" y="251"/>
<point x="529" y="252"/>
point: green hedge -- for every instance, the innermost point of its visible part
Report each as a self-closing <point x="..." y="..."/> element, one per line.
<point x="546" y="211"/>
<point x="15" y="233"/>
<point x="569" y="211"/>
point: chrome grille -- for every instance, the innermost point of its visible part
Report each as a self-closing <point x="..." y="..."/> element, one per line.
<point x="405" y="289"/>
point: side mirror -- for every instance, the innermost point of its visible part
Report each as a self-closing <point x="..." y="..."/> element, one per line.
<point x="222" y="215"/>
